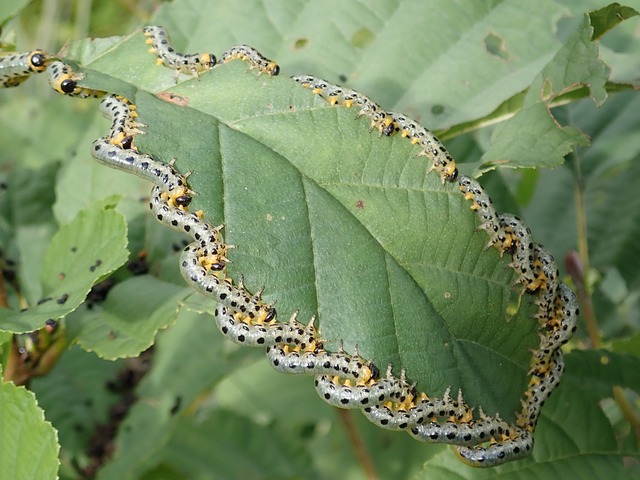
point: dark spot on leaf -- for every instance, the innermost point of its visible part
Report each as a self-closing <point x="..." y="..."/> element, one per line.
<point x="362" y="38"/>
<point x="301" y="43"/>
<point x="360" y="204"/>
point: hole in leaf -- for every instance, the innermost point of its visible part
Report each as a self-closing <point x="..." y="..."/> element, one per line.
<point x="495" y="46"/>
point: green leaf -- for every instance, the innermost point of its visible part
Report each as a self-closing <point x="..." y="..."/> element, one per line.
<point x="575" y="65"/>
<point x="130" y="318"/>
<point x="188" y="360"/>
<point x="321" y="225"/>
<point x="29" y="442"/>
<point x="76" y="399"/>
<point x="9" y="10"/>
<point x="534" y="131"/>
<point x="238" y="449"/>
<point x="608" y="17"/>
<point x="574" y="438"/>
<point x="87" y="249"/>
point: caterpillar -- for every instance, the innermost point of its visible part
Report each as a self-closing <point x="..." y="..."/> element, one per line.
<point x="346" y="97"/>
<point x="442" y="162"/>
<point x="541" y="385"/>
<point x="254" y="58"/>
<point x="415" y="414"/>
<point x="64" y="80"/>
<point x="546" y="275"/>
<point x="123" y="126"/>
<point x="267" y="334"/>
<point x="352" y="367"/>
<point x="15" y="68"/>
<point x="144" y="166"/>
<point x="187" y="63"/>
<point x="386" y="123"/>
<point x="463" y="434"/>
<point x="483" y="206"/>
<point x="519" y="446"/>
<point x="518" y="243"/>
<point x="340" y="393"/>
<point x="560" y="327"/>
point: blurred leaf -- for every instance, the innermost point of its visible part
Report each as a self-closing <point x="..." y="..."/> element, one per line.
<point x="608" y="17"/>
<point x="80" y="253"/>
<point x="576" y="64"/>
<point x="188" y="360"/>
<point x="132" y="315"/>
<point x="237" y="449"/>
<point x="77" y="399"/>
<point x="10" y="9"/>
<point x="29" y="442"/>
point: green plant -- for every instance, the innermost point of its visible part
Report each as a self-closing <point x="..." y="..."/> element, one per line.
<point x="270" y="176"/>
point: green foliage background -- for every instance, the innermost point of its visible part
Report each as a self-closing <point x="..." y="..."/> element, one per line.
<point x="376" y="276"/>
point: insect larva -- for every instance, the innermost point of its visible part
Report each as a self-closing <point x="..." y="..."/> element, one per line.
<point x="249" y="308"/>
<point x="442" y="161"/>
<point x="560" y="328"/>
<point x="482" y="204"/>
<point x="335" y="94"/>
<point x="64" y="80"/>
<point x="425" y="410"/>
<point x="312" y="362"/>
<point x="546" y="274"/>
<point x="464" y="434"/>
<point x="265" y="334"/>
<point x="342" y="395"/>
<point x="541" y="385"/>
<point x="15" y="68"/>
<point x="122" y="114"/>
<point x="194" y="63"/>
<point x="511" y="449"/>
<point x="253" y="57"/>
<point x="518" y="243"/>
<point x="144" y="166"/>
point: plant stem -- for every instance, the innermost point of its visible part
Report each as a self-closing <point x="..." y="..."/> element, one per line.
<point x="581" y="264"/>
<point x="627" y="410"/>
<point x="358" y="445"/>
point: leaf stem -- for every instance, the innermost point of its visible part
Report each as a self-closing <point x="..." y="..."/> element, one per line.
<point x="358" y="445"/>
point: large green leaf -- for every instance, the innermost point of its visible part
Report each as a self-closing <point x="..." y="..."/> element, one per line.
<point x="348" y="225"/>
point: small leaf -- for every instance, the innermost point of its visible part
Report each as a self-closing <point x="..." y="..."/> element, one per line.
<point x="608" y="17"/>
